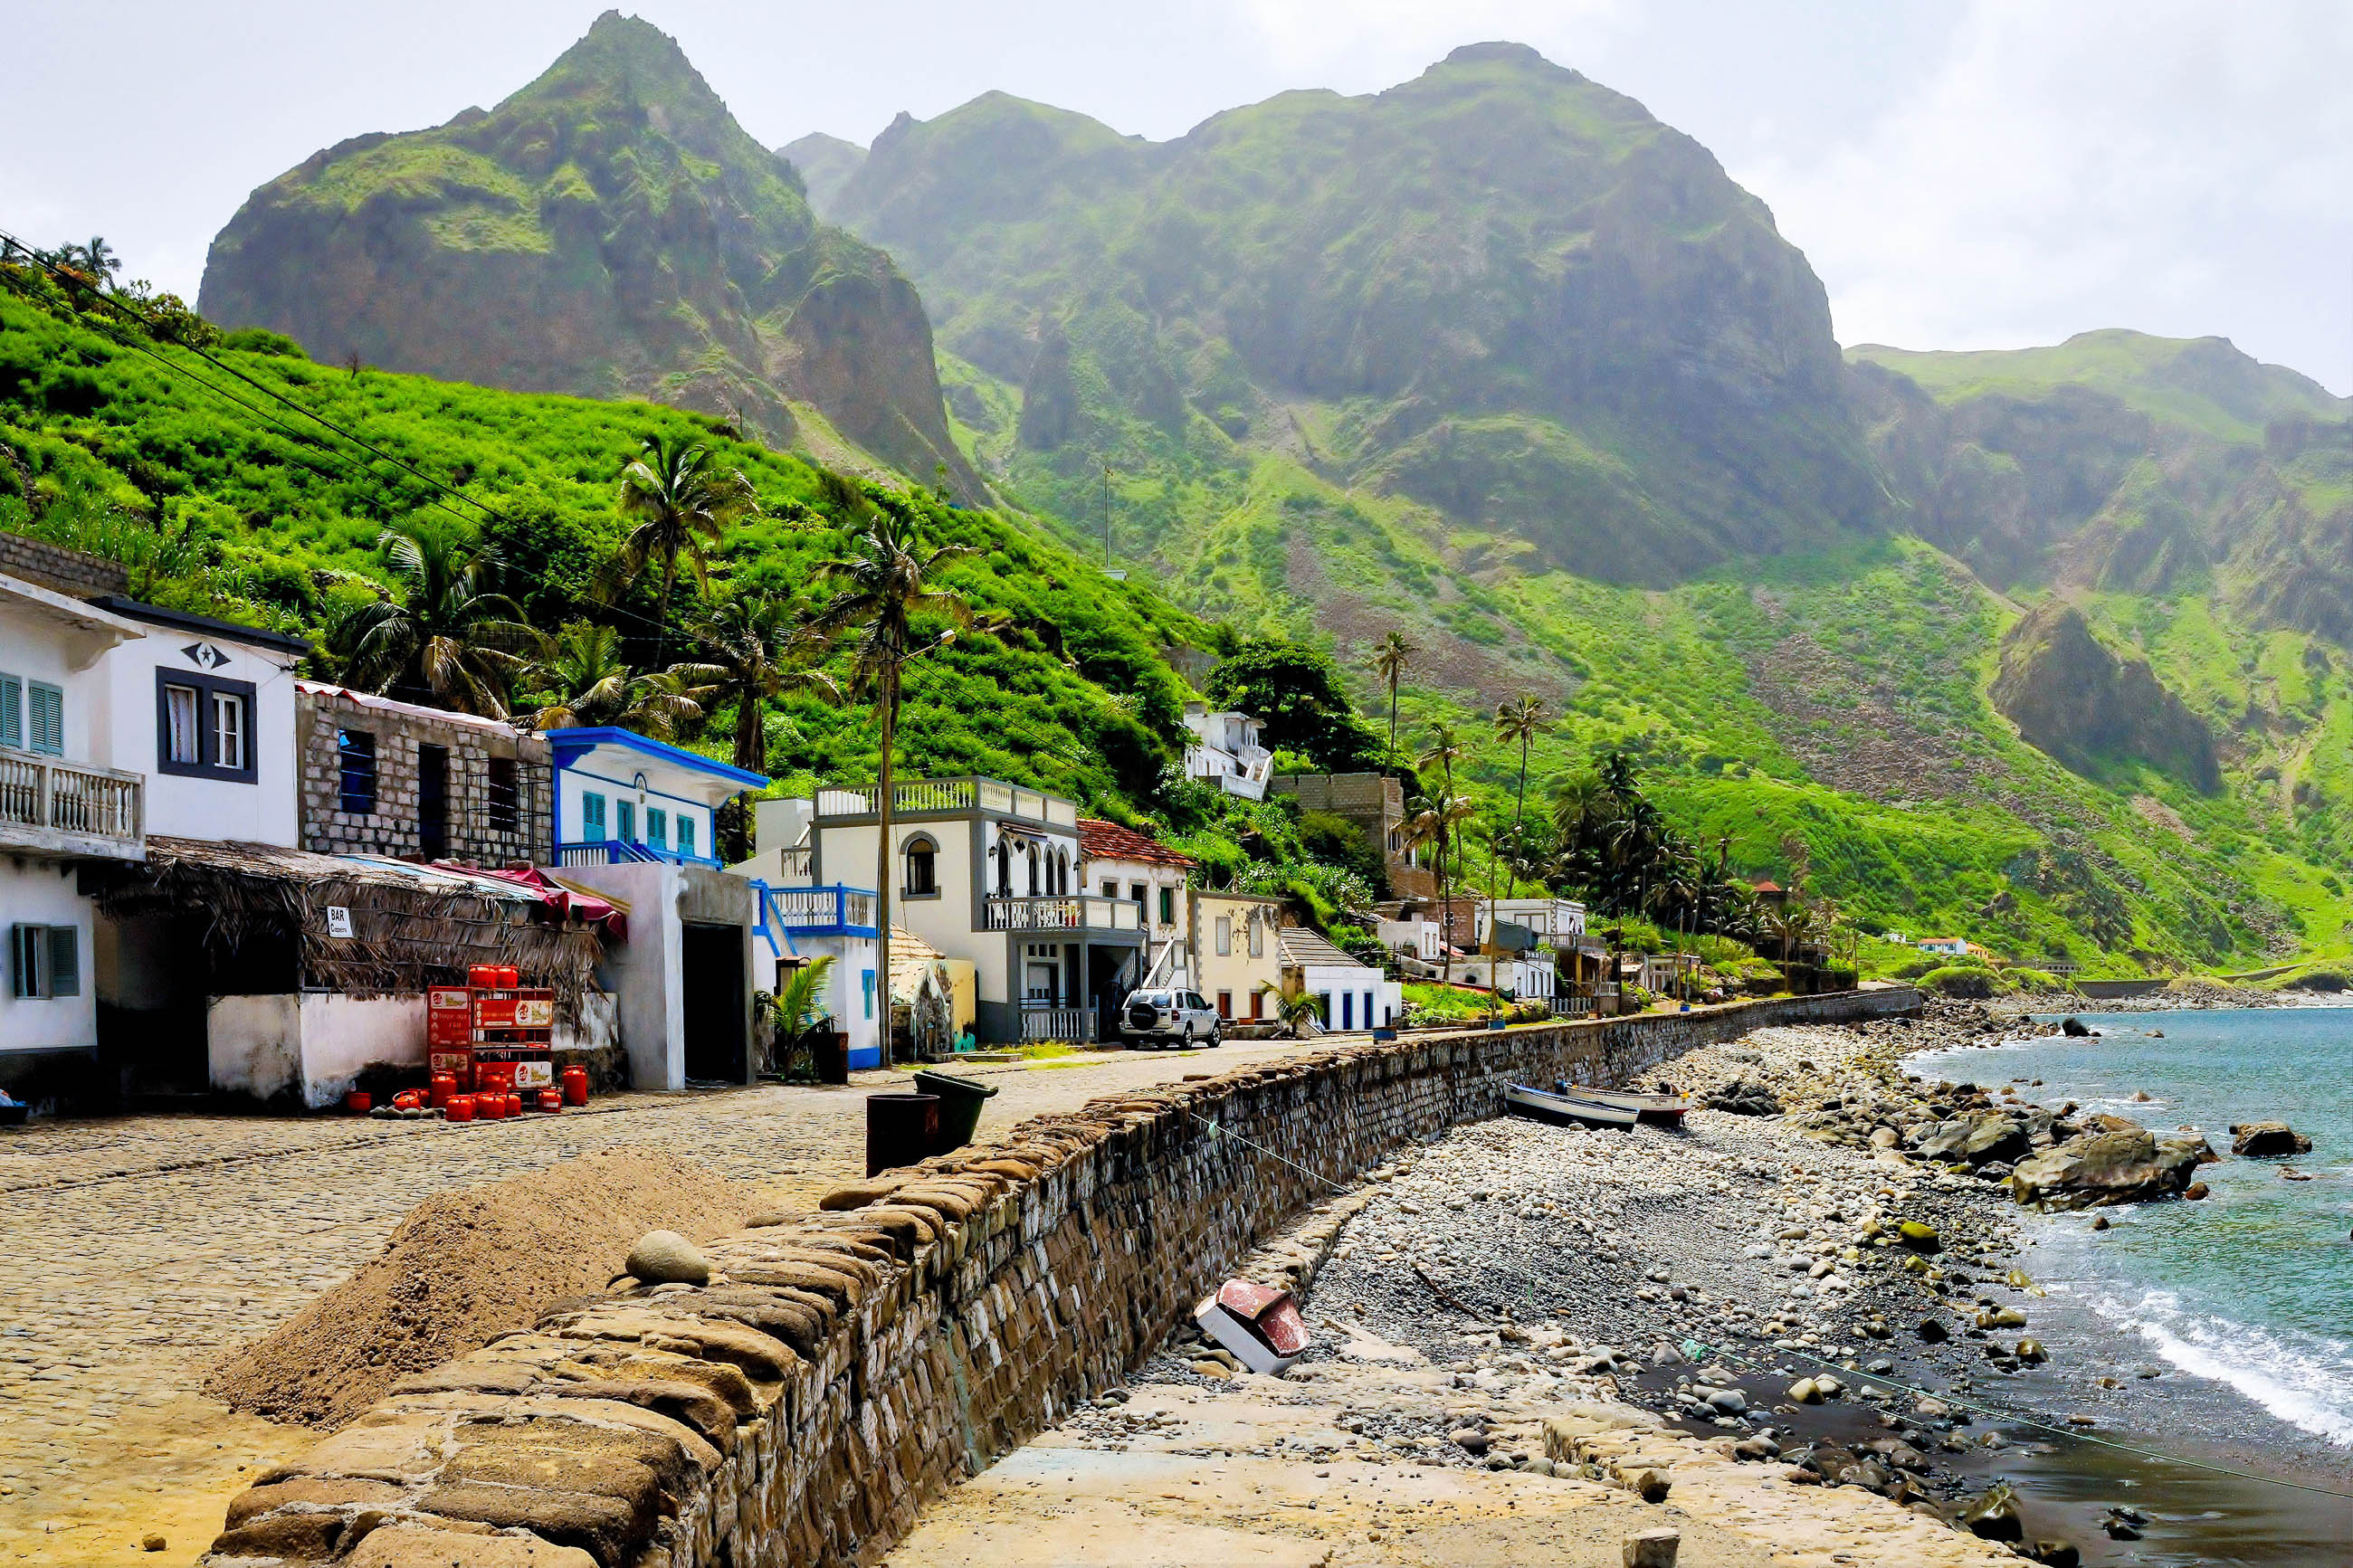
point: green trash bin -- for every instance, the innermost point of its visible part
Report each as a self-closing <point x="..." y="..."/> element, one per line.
<point x="960" y="1103"/>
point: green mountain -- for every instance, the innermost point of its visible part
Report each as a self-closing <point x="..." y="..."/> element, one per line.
<point x="1495" y="359"/>
<point x="609" y="231"/>
<point x="1499" y="290"/>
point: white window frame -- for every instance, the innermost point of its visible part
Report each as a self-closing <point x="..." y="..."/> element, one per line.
<point x="231" y="731"/>
<point x="1224" y="927"/>
<point x="37" y="956"/>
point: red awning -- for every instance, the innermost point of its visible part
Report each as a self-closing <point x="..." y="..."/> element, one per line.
<point x="569" y="902"/>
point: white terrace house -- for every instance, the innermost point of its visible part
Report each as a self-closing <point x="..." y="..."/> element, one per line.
<point x="793" y="922"/>
<point x="984" y="872"/>
<point x="118" y="719"/>
<point x="1225" y="750"/>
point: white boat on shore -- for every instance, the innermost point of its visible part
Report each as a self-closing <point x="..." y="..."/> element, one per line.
<point x="1594" y="1107"/>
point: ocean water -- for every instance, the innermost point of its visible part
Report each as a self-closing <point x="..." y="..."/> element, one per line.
<point x="2253" y="1289"/>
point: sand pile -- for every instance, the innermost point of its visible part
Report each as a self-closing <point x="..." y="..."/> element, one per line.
<point x="465" y="1266"/>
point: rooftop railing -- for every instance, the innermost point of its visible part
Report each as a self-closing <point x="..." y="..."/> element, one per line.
<point x="1076" y="911"/>
<point x="948" y="797"/>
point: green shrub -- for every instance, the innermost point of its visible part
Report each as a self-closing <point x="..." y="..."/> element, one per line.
<point x="262" y="341"/>
<point x="1972" y="981"/>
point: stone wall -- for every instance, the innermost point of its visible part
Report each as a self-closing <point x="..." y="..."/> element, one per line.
<point x="840" y="1369"/>
<point x="59" y="569"/>
<point x="475" y="831"/>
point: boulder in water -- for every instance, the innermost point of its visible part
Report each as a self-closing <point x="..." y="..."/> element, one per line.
<point x="2093" y="1168"/>
<point x="2075" y="1026"/>
<point x="1994" y="1516"/>
<point x="2268" y="1141"/>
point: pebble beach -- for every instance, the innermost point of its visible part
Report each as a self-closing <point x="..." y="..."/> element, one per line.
<point x="1810" y="1323"/>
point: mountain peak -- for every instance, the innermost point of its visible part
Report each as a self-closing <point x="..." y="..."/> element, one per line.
<point x="1498" y="51"/>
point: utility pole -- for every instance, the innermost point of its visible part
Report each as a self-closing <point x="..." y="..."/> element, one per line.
<point x="1106" y="511"/>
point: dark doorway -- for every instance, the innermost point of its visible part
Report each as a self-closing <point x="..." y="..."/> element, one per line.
<point x="710" y="967"/>
<point x="433" y="802"/>
<point x="150" y="1007"/>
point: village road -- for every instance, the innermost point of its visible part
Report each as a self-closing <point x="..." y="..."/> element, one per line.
<point x="138" y="1249"/>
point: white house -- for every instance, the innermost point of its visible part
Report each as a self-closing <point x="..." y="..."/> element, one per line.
<point x="119" y="721"/>
<point x="1354" y="996"/>
<point x="987" y="873"/>
<point x="634" y="820"/>
<point x="1557" y="922"/>
<point x="1118" y="862"/>
<point x="1953" y="946"/>
<point x="794" y="924"/>
<point x="1414" y="938"/>
<point x="1225" y="749"/>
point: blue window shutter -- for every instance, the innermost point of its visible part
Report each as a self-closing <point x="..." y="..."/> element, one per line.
<point x="685" y="834"/>
<point x="626" y="812"/>
<point x="591" y="818"/>
<point x="48" y="714"/>
<point x="12" y="710"/>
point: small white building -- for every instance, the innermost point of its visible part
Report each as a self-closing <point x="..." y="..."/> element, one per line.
<point x="1951" y="946"/>
<point x="1120" y="863"/>
<point x="1354" y="996"/>
<point x="1414" y="939"/>
<point x="1225" y="750"/>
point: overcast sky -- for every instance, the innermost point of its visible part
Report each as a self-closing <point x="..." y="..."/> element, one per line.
<point x="1969" y="175"/>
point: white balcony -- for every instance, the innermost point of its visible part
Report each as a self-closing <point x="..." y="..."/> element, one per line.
<point x="48" y="806"/>
<point x="1074" y="1026"/>
<point x="1075" y="912"/>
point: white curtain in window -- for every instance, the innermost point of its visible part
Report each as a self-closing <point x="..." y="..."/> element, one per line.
<point x="179" y="723"/>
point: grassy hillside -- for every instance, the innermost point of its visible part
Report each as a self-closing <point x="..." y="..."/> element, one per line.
<point x="607" y="230"/>
<point x="279" y="523"/>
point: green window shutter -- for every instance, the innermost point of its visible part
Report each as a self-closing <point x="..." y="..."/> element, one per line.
<point x="46" y="711"/>
<point x="24" y="954"/>
<point x="64" y="962"/>
<point x="12" y="710"/>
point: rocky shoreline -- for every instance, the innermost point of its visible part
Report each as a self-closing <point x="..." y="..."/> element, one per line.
<point x="1814" y="1285"/>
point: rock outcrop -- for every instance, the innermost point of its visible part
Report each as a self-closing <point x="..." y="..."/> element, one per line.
<point x="2071" y="697"/>
<point x="608" y="230"/>
<point x="2268" y="1141"/>
<point x="2098" y="1169"/>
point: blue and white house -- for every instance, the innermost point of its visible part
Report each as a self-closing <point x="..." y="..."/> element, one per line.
<point x="633" y="821"/>
<point x="796" y="923"/>
<point x="622" y="798"/>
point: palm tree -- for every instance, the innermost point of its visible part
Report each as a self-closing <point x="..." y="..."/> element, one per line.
<point x="683" y="503"/>
<point x="1434" y="823"/>
<point x="1392" y="657"/>
<point x="1521" y="720"/>
<point x="1443" y="753"/>
<point x="887" y="577"/>
<point x="585" y="682"/>
<point x="442" y="633"/>
<point x="752" y="654"/>
<point x="1295" y="1010"/>
<point x="799" y="1004"/>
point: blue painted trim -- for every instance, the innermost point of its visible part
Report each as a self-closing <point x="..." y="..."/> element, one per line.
<point x="629" y="788"/>
<point x="568" y="743"/>
<point x="865" y="1056"/>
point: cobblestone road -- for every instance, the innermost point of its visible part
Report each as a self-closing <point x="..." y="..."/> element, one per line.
<point x="140" y="1249"/>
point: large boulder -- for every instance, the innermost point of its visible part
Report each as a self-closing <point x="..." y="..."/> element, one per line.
<point x="2096" y="1169"/>
<point x="2268" y="1141"/>
<point x="1745" y="1097"/>
<point x="1978" y="1140"/>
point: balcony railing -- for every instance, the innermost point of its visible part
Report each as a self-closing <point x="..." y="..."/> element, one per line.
<point x="946" y="798"/>
<point x="828" y="910"/>
<point x="1076" y="1024"/>
<point x="1078" y="911"/>
<point x="795" y="863"/>
<point x="70" y="806"/>
<point x="624" y="852"/>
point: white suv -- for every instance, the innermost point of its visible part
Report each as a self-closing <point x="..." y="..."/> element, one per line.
<point x="1162" y="1019"/>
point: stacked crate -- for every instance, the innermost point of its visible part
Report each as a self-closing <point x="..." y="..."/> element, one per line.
<point x="493" y="1019"/>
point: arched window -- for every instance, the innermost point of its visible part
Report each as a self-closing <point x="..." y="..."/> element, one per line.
<point x="922" y="877"/>
<point x="1061" y="872"/>
<point x="1033" y="870"/>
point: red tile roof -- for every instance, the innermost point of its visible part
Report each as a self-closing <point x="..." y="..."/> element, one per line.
<point x="1101" y="840"/>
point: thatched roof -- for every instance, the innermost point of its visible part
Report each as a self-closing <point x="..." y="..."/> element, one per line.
<point x="412" y="925"/>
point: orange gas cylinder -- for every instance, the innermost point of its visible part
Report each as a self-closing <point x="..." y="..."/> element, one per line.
<point x="489" y="1106"/>
<point x="576" y="1084"/>
<point x="460" y="1107"/>
<point x="485" y="977"/>
<point x="357" y="1102"/>
<point x="514" y="1104"/>
<point x="444" y="1085"/>
<point x="408" y="1099"/>
<point x="551" y="1100"/>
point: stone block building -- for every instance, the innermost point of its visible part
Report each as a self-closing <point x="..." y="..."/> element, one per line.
<point x="1375" y="803"/>
<point x="383" y="777"/>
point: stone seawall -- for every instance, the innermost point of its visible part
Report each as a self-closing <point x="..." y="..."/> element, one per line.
<point x="841" y="1368"/>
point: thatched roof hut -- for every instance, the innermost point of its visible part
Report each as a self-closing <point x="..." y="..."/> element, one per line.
<point x="266" y="927"/>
